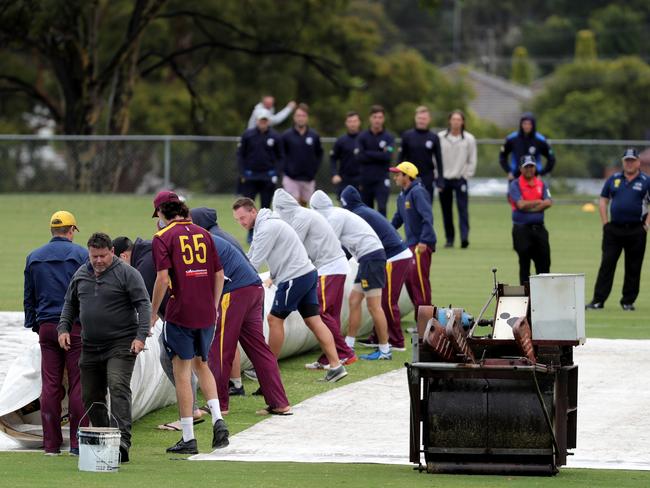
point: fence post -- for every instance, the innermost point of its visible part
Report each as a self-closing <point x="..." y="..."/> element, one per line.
<point x="167" y="163"/>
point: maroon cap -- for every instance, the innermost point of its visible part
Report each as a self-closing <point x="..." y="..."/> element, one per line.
<point x="163" y="197"/>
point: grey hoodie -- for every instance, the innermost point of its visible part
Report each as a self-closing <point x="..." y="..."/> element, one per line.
<point x="275" y="242"/>
<point x="355" y="234"/>
<point x="319" y="239"/>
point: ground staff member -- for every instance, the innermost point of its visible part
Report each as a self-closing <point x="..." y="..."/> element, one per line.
<point x="356" y="235"/>
<point x="526" y="142"/>
<point x="112" y="304"/>
<point x="414" y="211"/>
<point x="343" y="161"/>
<point x="277" y="244"/>
<point x="241" y="318"/>
<point x="259" y="156"/>
<point x="399" y="263"/>
<point x="186" y="259"/>
<point x="421" y="146"/>
<point x="48" y="271"/>
<point x="374" y="150"/>
<point x="459" y="153"/>
<point x="627" y="194"/>
<point x="530" y="198"/>
<point x="324" y="250"/>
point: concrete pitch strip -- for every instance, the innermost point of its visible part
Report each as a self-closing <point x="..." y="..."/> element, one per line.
<point x="613" y="425"/>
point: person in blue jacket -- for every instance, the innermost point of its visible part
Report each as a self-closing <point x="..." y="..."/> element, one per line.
<point x="259" y="156"/>
<point x="414" y="211"/>
<point x="399" y="263"/>
<point x="526" y="142"/>
<point x="48" y="271"/>
<point x="343" y="161"/>
<point x="375" y="147"/>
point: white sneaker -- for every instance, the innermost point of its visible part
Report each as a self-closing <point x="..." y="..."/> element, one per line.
<point x="316" y="365"/>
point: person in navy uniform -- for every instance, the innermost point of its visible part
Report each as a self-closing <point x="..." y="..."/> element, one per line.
<point x="627" y="194"/>
<point x="258" y="155"/>
<point x="421" y="146"/>
<point x="530" y="198"/>
<point x="375" y="147"/>
<point x="526" y="142"/>
<point x="343" y="161"/>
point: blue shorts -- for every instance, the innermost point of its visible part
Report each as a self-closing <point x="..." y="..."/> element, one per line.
<point x="297" y="294"/>
<point x="371" y="274"/>
<point x="187" y="343"/>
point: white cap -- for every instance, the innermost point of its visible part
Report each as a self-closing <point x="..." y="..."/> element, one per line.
<point x="263" y="114"/>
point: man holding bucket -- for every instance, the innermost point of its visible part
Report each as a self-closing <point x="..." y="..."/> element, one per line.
<point x="112" y="304"/>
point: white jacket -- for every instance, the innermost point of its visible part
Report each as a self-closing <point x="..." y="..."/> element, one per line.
<point x="355" y="234"/>
<point x="275" y="118"/>
<point x="275" y="242"/>
<point x="459" y="155"/>
<point x="318" y="238"/>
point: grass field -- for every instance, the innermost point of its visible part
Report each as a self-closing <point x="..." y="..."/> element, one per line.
<point x="460" y="277"/>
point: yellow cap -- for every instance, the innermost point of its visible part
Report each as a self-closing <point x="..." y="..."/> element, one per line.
<point x="63" y="219"/>
<point x="409" y="169"/>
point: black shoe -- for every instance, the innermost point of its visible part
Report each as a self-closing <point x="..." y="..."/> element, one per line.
<point x="258" y="392"/>
<point x="628" y="307"/>
<point x="220" y="434"/>
<point x="449" y="244"/>
<point x="124" y="455"/>
<point x="182" y="447"/>
<point x="234" y="391"/>
<point x="595" y="306"/>
<point x="464" y="244"/>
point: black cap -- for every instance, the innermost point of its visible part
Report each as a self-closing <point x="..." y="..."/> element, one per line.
<point x="630" y="153"/>
<point x="121" y="244"/>
<point x="526" y="160"/>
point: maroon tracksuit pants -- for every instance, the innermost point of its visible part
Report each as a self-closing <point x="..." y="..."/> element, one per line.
<point x="418" y="284"/>
<point x="241" y="319"/>
<point x="396" y="274"/>
<point x="53" y="362"/>
<point x="330" y="299"/>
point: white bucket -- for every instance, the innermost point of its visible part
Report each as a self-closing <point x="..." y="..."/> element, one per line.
<point x="99" y="449"/>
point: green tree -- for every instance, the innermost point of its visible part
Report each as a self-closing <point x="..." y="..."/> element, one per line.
<point x="585" y="46"/>
<point x="619" y="30"/>
<point x="522" y="70"/>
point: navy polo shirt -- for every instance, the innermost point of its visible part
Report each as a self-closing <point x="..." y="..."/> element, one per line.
<point x="238" y="271"/>
<point x="374" y="154"/>
<point x="421" y="147"/>
<point x="303" y="154"/>
<point x="343" y="151"/>
<point x="629" y="199"/>
<point x="258" y="154"/>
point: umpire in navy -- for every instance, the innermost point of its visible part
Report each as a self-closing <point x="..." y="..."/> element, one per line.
<point x="627" y="194"/>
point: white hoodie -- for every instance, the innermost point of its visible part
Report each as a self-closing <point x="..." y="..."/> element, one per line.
<point x="319" y="239"/>
<point x="459" y="155"/>
<point x="275" y="242"/>
<point x="355" y="234"/>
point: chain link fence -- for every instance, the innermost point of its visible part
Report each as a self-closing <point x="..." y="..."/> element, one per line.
<point x="144" y="164"/>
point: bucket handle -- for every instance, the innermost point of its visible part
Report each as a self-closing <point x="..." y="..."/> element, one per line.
<point x="111" y="416"/>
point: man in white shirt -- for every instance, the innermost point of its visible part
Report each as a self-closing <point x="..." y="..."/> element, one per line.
<point x="459" y="154"/>
<point x="268" y="104"/>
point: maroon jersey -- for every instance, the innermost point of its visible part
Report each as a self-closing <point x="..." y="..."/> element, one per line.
<point x="188" y="252"/>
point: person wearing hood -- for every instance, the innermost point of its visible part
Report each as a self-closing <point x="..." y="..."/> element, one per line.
<point x="277" y="244"/>
<point x="526" y="142"/>
<point x="240" y="319"/>
<point x="324" y="250"/>
<point x="207" y="218"/>
<point x="399" y="261"/>
<point x="414" y="211"/>
<point x="356" y="235"/>
<point x="421" y="146"/>
<point x="113" y="307"/>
